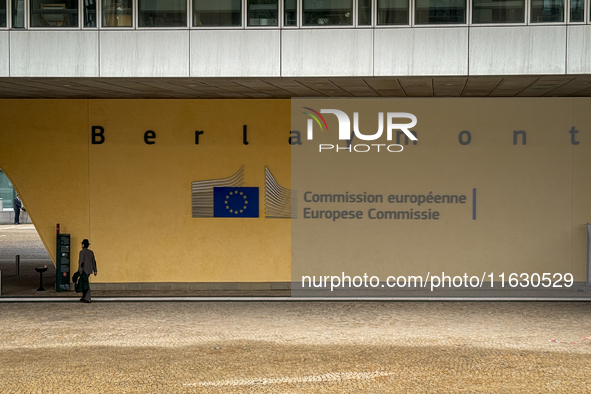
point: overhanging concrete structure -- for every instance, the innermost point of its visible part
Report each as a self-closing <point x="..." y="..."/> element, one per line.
<point x="275" y="87"/>
<point x="469" y="61"/>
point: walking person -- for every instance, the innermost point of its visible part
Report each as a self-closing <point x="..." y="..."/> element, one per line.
<point x="17" y="205"/>
<point x="86" y="266"/>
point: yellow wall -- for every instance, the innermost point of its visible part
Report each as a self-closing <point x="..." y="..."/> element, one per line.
<point x="133" y="201"/>
<point x="44" y="153"/>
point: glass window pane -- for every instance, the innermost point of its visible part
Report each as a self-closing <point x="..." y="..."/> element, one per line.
<point x="576" y="10"/>
<point x="3" y="13"/>
<point x="117" y="13"/>
<point x="7" y="193"/>
<point x="162" y="13"/>
<point x="393" y="12"/>
<point x="364" y="13"/>
<point x="547" y="11"/>
<point x="18" y="13"/>
<point x="440" y="11"/>
<point x="291" y="13"/>
<point x="89" y="13"/>
<point x="217" y="13"/>
<point x="498" y="11"/>
<point x="327" y="12"/>
<point x="49" y="13"/>
<point x="263" y="13"/>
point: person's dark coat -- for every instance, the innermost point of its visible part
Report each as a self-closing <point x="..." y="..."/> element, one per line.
<point x="17" y="204"/>
<point x="86" y="262"/>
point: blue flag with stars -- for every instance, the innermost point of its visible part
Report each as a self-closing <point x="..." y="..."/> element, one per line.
<point x="236" y="202"/>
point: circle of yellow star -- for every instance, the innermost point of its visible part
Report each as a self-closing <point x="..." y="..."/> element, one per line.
<point x="236" y="193"/>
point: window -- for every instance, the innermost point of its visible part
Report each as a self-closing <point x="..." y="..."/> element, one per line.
<point x="393" y="12"/>
<point x="290" y="8"/>
<point x="217" y="13"/>
<point x="440" y="11"/>
<point x="327" y="12"/>
<point x="162" y="13"/>
<point x="263" y="13"/>
<point x="49" y="13"/>
<point x="498" y="11"/>
<point x="7" y="193"/>
<point x="228" y="13"/>
<point x="18" y="14"/>
<point x="117" y="13"/>
<point x="3" y="13"/>
<point x="577" y="10"/>
<point x="89" y="13"/>
<point x="547" y="11"/>
<point x="364" y="13"/>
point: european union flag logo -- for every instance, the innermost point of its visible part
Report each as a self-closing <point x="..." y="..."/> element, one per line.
<point x="236" y="202"/>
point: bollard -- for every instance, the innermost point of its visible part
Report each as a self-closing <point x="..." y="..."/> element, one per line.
<point x="18" y="264"/>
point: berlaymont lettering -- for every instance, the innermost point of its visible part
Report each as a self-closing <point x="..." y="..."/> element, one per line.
<point x="476" y="187"/>
<point x="464" y="137"/>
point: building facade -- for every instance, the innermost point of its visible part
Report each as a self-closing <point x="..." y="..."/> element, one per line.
<point x="114" y="113"/>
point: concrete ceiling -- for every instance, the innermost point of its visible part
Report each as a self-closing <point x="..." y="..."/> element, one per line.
<point x="196" y="88"/>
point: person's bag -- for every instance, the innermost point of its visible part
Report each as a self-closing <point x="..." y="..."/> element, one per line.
<point x="77" y="280"/>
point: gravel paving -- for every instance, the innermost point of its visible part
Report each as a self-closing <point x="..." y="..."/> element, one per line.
<point x="23" y="240"/>
<point x="307" y="347"/>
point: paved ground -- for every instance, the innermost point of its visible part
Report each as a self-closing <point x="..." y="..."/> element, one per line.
<point x="23" y="240"/>
<point x="310" y="347"/>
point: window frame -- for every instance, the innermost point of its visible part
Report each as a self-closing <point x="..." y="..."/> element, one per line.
<point x="410" y="16"/>
<point x="136" y="19"/>
<point x="585" y="13"/>
<point x="566" y="15"/>
<point x="116" y="28"/>
<point x="440" y="25"/>
<point x="372" y="15"/>
<point x="98" y="16"/>
<point x="264" y="27"/>
<point x="514" y="24"/>
<point x="298" y="16"/>
<point x="8" y="16"/>
<point x="242" y="19"/>
<point x="353" y="25"/>
<point x="29" y="18"/>
<point x="26" y="19"/>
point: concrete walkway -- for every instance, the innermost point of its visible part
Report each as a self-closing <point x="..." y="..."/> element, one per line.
<point x="314" y="347"/>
